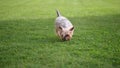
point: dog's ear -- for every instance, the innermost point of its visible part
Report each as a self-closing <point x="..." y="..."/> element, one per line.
<point x="71" y="29"/>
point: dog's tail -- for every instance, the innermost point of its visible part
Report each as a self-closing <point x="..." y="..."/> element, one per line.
<point x="58" y="13"/>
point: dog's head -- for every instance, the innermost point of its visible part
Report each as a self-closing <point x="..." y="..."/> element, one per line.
<point x="66" y="34"/>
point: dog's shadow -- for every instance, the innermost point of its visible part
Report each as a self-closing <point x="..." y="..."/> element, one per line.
<point x="48" y="40"/>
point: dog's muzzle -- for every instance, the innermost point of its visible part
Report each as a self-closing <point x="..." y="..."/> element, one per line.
<point x="66" y="38"/>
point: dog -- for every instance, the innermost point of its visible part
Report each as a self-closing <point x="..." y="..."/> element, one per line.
<point x="64" y="28"/>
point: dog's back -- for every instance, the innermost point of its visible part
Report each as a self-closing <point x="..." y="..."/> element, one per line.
<point x="62" y="21"/>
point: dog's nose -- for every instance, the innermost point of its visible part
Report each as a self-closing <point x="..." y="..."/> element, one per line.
<point x="66" y="38"/>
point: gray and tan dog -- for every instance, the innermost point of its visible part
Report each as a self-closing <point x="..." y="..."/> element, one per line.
<point x="64" y="27"/>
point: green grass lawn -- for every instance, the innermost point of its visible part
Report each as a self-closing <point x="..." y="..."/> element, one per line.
<point x="28" y="39"/>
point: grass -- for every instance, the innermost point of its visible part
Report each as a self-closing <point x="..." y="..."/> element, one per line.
<point x="28" y="40"/>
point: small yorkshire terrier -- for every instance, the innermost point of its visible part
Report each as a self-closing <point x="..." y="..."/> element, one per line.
<point x="64" y="28"/>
